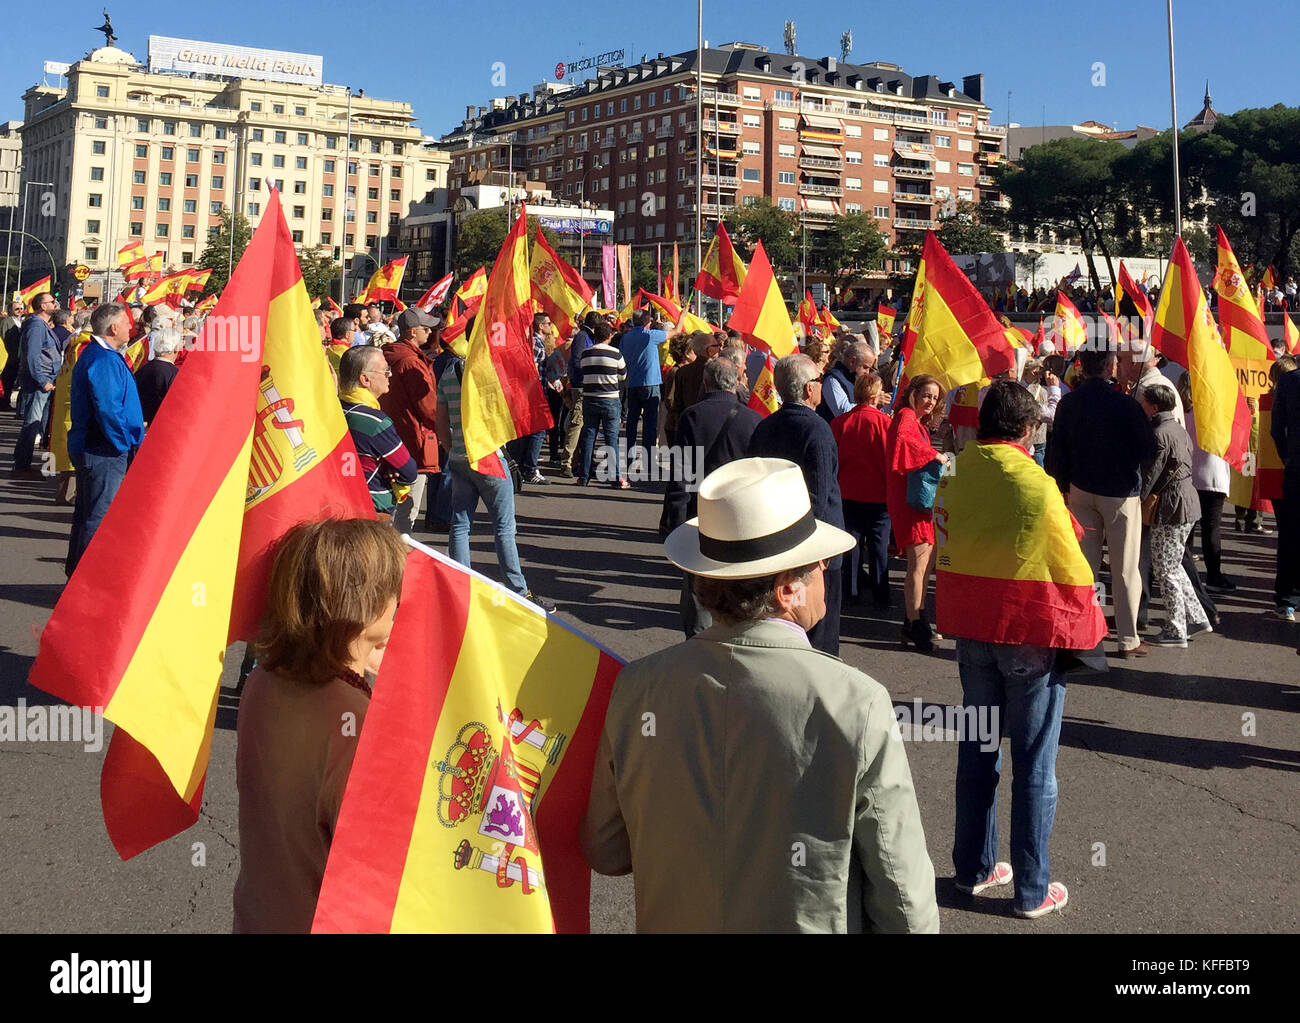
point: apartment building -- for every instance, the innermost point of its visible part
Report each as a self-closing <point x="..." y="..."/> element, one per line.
<point x="138" y="152"/>
<point x="11" y="160"/>
<point x="818" y="137"/>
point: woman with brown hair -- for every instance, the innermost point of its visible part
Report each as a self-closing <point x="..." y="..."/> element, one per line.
<point x="330" y="604"/>
<point x="909" y="450"/>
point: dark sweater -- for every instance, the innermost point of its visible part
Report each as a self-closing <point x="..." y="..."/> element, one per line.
<point x="1099" y="440"/>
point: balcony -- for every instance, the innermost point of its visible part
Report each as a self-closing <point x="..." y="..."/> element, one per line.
<point x="808" y="188"/>
<point x="991" y="129"/>
<point x="913" y="144"/>
<point x="712" y="127"/>
<point x="820" y="163"/>
<point x="986" y="180"/>
<point x="723" y="181"/>
<point x="914" y="172"/>
<point x="664" y="133"/>
<point x="722" y="99"/>
<point x="607" y="142"/>
<point x="633" y="137"/>
<point x="921" y="197"/>
<point x="913" y="223"/>
<point x="818" y="215"/>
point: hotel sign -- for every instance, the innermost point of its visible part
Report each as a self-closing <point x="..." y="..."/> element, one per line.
<point x="587" y="63"/>
<point x="168" y="54"/>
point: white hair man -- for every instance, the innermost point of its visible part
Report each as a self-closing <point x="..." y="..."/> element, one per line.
<point x="837" y="388"/>
<point x="774" y="795"/>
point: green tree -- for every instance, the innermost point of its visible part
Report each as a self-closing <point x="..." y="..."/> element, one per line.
<point x="644" y="274"/>
<point x="481" y="236"/>
<point x="1070" y="186"/>
<point x="965" y="232"/>
<point x="851" y="247"/>
<point x="319" y="272"/>
<point x="767" y="223"/>
<point x="216" y="254"/>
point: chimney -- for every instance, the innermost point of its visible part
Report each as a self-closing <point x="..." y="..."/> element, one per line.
<point x="830" y="64"/>
<point x="469" y="111"/>
<point x="973" y="86"/>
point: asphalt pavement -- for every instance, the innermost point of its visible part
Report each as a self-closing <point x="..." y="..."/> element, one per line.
<point x="1178" y="772"/>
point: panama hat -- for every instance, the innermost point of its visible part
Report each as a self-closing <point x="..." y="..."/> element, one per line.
<point x="755" y="519"/>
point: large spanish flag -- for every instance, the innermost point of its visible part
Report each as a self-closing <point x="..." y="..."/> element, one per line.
<point x="1243" y="328"/>
<point x="1132" y="307"/>
<point x="760" y="313"/>
<point x="1185" y="332"/>
<point x="558" y="289"/>
<point x="385" y="282"/>
<point x="25" y="295"/>
<point x="473" y="768"/>
<point x="1069" y="330"/>
<point x="1290" y="333"/>
<point x="173" y="285"/>
<point x="722" y="272"/>
<point x="951" y="333"/>
<point x="129" y="253"/>
<point x="275" y="451"/>
<point x="670" y="310"/>
<point x="1010" y="569"/>
<point x="502" y="397"/>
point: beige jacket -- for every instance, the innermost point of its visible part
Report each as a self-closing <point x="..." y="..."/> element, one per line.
<point x="754" y="784"/>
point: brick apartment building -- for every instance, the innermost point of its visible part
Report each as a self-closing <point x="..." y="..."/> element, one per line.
<point x="818" y="137"/>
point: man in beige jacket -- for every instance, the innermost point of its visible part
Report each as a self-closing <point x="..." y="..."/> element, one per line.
<point x="752" y="783"/>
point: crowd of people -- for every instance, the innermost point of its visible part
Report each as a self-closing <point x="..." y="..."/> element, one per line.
<point x="789" y="514"/>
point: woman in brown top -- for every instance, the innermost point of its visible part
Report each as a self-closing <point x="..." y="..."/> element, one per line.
<point x="332" y="596"/>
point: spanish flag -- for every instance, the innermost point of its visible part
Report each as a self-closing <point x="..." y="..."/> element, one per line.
<point x="1269" y="281"/>
<point x="951" y="333"/>
<point x="174" y="285"/>
<point x="1069" y="331"/>
<point x="808" y="314"/>
<point x="1269" y="466"/>
<point x="1290" y="333"/>
<point x="1132" y="307"/>
<point x="206" y="304"/>
<point x="1243" y="327"/>
<point x="384" y="282"/>
<point x="671" y="310"/>
<point x="25" y="295"/>
<point x="689" y="323"/>
<point x="464" y="304"/>
<point x="335" y="308"/>
<point x="473" y="769"/>
<point x="763" y="398"/>
<point x="829" y="321"/>
<point x="760" y="313"/>
<point x="198" y="278"/>
<point x="1186" y="334"/>
<point x="633" y="304"/>
<point x="502" y="397"/>
<point x="276" y="452"/>
<point x="1010" y="569"/>
<point x="722" y="272"/>
<point x="558" y="289"/>
<point x="885" y="317"/>
<point x="130" y="253"/>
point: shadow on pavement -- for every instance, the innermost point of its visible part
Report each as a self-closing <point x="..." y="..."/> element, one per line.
<point x="1204" y="754"/>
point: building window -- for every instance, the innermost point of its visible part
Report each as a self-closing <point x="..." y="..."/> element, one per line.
<point x="327" y="214"/>
<point x="191" y="206"/>
<point x="751" y="120"/>
<point x="327" y="191"/>
<point x="257" y="134"/>
<point x="277" y="160"/>
<point x="300" y="163"/>
<point x="880" y="160"/>
<point x="101" y="122"/>
<point x="752" y="93"/>
<point x="968" y="194"/>
<point x="187" y="230"/>
<point x="191" y="156"/>
<point x="782" y="96"/>
<point x="141" y="151"/>
<point x="299" y="111"/>
<point x="329" y="167"/>
<point x="141" y="124"/>
<point x="348" y="240"/>
<point x="372" y="217"/>
<point x="750" y="174"/>
<point x="332" y="142"/>
<point x="374" y="145"/>
<point x="160" y="231"/>
<point x="374" y="170"/>
<point x="881" y="212"/>
<point x="302" y="138"/>
<point x="326" y="237"/>
<point x="137" y="229"/>
<point x="852" y="207"/>
<point x="101" y="91"/>
<point x="164" y="177"/>
<point x="255" y="159"/>
<point x="942" y="167"/>
<point x="277" y="108"/>
<point x="965" y="120"/>
<point x="196" y="131"/>
<point x="964" y="145"/>
<point x="97" y="148"/>
<point x="393" y="219"/>
<point x="399" y="148"/>
<point x="944" y="141"/>
<point x="92" y="253"/>
<point x="750" y="148"/>
<point x="96" y="173"/>
<point x="880" y="134"/>
<point x="214" y="207"/>
<point x="395" y="172"/>
<point x="137" y="177"/>
<point x="785" y="177"/>
<point x="852" y="157"/>
<point x="785" y="149"/>
<point x="636" y="102"/>
<point x="299" y="212"/>
<point x="297" y="237"/>
<point x="214" y="230"/>
<point x="394" y="195"/>
<point x="254" y="208"/>
<point x="650" y="99"/>
<point x="137" y="202"/>
<point x="254" y="184"/>
<point x="219" y="157"/>
<point x="372" y="241"/>
<point x="966" y="170"/>
<point x="255" y="106"/>
<point x="164" y="205"/>
<point x="191" y="181"/>
<point x="354" y="145"/>
<point x="372" y="193"/>
<point x="169" y="127"/>
<point x="92" y="227"/>
<point x="877" y="186"/>
<point x="279" y="138"/>
<point x="219" y="133"/>
<point x="300" y="188"/>
<point x="785" y="123"/>
<point x="168" y="153"/>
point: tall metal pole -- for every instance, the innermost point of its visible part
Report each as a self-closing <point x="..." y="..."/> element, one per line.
<point x="9" y="248"/>
<point x="22" y="238"/>
<point x="1173" y="112"/>
<point x="699" y="140"/>
<point x="234" y="207"/>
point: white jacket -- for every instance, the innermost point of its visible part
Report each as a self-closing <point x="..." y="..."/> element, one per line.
<point x="1209" y="472"/>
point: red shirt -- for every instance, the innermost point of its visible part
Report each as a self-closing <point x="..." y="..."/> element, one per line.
<point x="861" y="434"/>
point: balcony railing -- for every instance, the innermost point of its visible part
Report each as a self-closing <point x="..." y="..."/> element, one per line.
<point x="725" y="127"/>
<point x="808" y="188"/>
<point x="723" y="99"/>
<point x="985" y="179"/>
<point x="922" y="197"/>
<point x="913" y="223"/>
<point x="914" y="172"/>
<point x="664" y="133"/>
<point x="991" y="129"/>
<point x="925" y="147"/>
<point x="820" y="162"/>
<point x="716" y="181"/>
<point x="607" y="142"/>
<point x="818" y="214"/>
<point x="633" y="137"/>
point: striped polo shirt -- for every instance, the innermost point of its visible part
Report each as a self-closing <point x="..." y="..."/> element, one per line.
<point x="380" y="452"/>
<point x="603" y="371"/>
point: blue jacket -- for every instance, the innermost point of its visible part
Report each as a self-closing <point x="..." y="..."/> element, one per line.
<point x="42" y="355"/>
<point x="641" y="353"/>
<point x="106" y="415"/>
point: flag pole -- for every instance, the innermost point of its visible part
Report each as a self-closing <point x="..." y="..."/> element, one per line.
<point x="699" y="137"/>
<point x="1173" y="111"/>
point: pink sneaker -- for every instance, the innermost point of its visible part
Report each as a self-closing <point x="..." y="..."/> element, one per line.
<point x="1057" y="897"/>
<point x="1001" y="875"/>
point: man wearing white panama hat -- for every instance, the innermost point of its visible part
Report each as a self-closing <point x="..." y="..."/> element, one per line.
<point x="750" y="782"/>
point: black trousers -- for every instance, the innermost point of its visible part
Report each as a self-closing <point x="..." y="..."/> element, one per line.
<point x="1211" y="542"/>
<point x="1286" y="583"/>
<point x="869" y="524"/>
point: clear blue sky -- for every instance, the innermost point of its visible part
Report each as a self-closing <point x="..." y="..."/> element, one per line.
<point x="439" y="57"/>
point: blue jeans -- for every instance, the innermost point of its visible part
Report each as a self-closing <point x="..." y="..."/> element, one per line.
<point x="530" y="452"/>
<point x="642" y="406"/>
<point x="98" y="479"/>
<point x="1024" y="684"/>
<point x="467" y="486"/>
<point x="602" y="414"/>
<point x="32" y="408"/>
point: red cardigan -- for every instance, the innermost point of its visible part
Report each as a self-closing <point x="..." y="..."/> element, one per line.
<point x="861" y="434"/>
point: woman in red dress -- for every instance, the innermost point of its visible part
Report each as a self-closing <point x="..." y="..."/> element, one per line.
<point x="909" y="448"/>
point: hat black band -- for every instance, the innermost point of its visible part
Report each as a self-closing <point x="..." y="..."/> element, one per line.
<point x="733" y="551"/>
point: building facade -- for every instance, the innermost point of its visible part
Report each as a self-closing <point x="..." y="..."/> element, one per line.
<point x="135" y="154"/>
<point x="817" y="137"/>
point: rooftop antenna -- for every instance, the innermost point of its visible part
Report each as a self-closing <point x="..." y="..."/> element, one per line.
<point x="789" y="38"/>
<point x="846" y="46"/>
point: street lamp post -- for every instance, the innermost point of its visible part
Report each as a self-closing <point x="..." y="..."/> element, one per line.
<point x="582" y="234"/>
<point x="22" y="238"/>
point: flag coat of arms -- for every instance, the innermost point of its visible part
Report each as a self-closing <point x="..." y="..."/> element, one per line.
<point x="473" y="768"/>
<point x="275" y="452"/>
